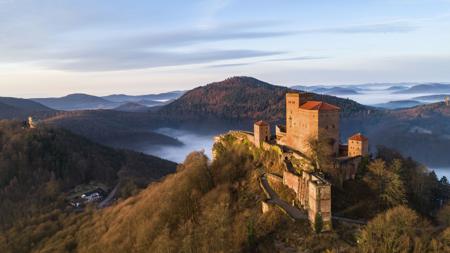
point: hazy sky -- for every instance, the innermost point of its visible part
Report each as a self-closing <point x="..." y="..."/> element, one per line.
<point x="56" y="47"/>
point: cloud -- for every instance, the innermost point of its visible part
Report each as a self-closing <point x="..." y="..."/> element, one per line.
<point x="226" y="65"/>
<point x="136" y="50"/>
<point x="389" y="27"/>
<point x="84" y="36"/>
<point x="138" y="60"/>
<point x="299" y="58"/>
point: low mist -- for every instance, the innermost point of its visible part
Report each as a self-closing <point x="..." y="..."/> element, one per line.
<point x="192" y="142"/>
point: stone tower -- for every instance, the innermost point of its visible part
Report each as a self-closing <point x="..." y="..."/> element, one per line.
<point x="310" y="121"/>
<point x="358" y="145"/>
<point x="31" y="123"/>
<point x="261" y="131"/>
<point x="447" y="100"/>
<point x="319" y="201"/>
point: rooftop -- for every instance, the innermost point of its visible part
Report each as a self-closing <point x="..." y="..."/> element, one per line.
<point x="358" y="137"/>
<point x="319" y="105"/>
<point x="261" y="123"/>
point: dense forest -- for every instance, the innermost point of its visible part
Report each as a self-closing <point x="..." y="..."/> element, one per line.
<point x="216" y="207"/>
<point x="38" y="166"/>
<point x="243" y="98"/>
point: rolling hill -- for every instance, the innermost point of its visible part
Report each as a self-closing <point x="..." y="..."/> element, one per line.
<point x="114" y="128"/>
<point x="439" y="97"/>
<point x="37" y="166"/>
<point x="151" y="97"/>
<point x="242" y="99"/>
<point x="77" y="102"/>
<point x="17" y="108"/>
<point x="427" y="88"/>
<point x="131" y="107"/>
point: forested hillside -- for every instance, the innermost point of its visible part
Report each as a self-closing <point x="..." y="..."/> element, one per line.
<point x="216" y="207"/>
<point x="113" y="128"/>
<point x="243" y="98"/>
<point x="38" y="166"/>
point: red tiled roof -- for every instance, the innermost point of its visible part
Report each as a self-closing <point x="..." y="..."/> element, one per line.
<point x="261" y="123"/>
<point x="319" y="105"/>
<point x="358" y="137"/>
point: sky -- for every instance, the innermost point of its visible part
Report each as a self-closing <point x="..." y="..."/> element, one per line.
<point x="58" y="47"/>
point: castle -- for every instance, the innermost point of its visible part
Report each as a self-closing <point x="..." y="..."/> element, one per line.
<point x="306" y="122"/>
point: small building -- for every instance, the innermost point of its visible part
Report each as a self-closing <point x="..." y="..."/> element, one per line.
<point x="261" y="132"/>
<point x="358" y="145"/>
<point x="94" y="195"/>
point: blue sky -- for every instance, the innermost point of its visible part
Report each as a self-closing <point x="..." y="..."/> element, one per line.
<point x="52" y="48"/>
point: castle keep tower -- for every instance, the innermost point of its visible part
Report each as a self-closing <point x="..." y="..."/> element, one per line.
<point x="309" y="121"/>
<point x="262" y="132"/>
<point x="358" y="145"/>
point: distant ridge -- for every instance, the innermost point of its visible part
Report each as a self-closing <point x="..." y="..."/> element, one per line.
<point x="131" y="107"/>
<point x="76" y="101"/>
<point x="150" y="97"/>
<point x="427" y="88"/>
<point x="17" y="108"/>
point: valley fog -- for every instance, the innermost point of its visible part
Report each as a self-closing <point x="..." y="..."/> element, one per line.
<point x="381" y="96"/>
<point x="195" y="141"/>
<point x="192" y="141"/>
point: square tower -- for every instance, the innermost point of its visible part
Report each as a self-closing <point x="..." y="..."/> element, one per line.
<point x="358" y="145"/>
<point x="292" y="105"/>
<point x="319" y="201"/>
<point x="261" y="131"/>
<point x="311" y="120"/>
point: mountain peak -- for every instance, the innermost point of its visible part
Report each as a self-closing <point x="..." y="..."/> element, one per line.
<point x="241" y="81"/>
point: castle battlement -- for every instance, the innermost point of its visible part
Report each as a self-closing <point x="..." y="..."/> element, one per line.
<point x="308" y="122"/>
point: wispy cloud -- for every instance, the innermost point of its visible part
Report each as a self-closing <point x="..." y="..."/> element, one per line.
<point x="138" y="60"/>
<point x="299" y="58"/>
<point x="389" y="27"/>
<point x="137" y="50"/>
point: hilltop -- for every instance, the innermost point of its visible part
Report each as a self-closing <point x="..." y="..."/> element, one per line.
<point x="37" y="167"/>
<point x="243" y="98"/>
